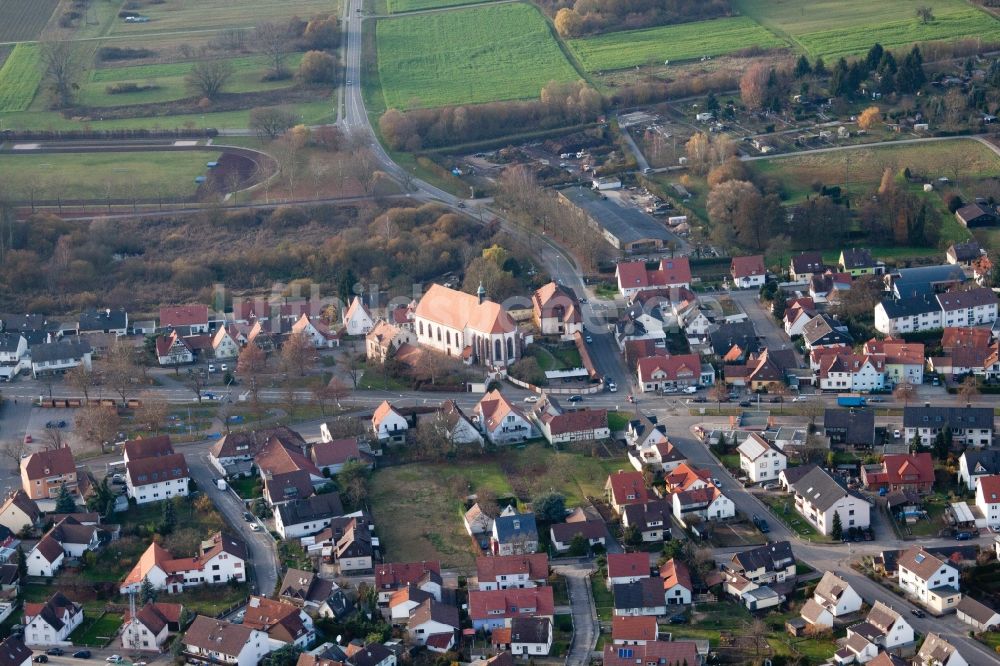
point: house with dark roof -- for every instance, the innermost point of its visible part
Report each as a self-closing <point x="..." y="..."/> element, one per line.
<point x="825" y="331"/>
<point x="734" y="341"/>
<point x="883" y="629"/>
<point x="895" y="316"/>
<point x="433" y="624"/>
<point x="977" y="615"/>
<point x="301" y="517"/>
<point x="850" y="427"/>
<point x="530" y="636"/>
<point x="305" y="588"/>
<point x="213" y="641"/>
<point x="974" y="464"/>
<point x="858" y="262"/>
<point x="924" y="280"/>
<point x="806" y="264"/>
<point x="642" y="597"/>
<point x="963" y="253"/>
<point x="514" y="533"/>
<point x="234" y="452"/>
<point x="578" y="523"/>
<point x="53" y="358"/>
<point x="19" y="511"/>
<point x="394" y="576"/>
<point x="94" y="320"/>
<point x="67" y="538"/>
<point x="52" y="622"/>
<point x="770" y="563"/>
<point x="819" y="497"/>
<point x="969" y="426"/>
<point x="13" y="652"/>
<point x="976" y="215"/>
<point x="650" y="519"/>
<point x="151" y="626"/>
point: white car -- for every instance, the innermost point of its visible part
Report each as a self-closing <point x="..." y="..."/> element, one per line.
<point x="799" y="398"/>
<point x="531" y="398"/>
<point x="690" y="389"/>
<point x="114" y="659"/>
<point x="223" y="368"/>
<point x="211" y="367"/>
<point x="896" y="434"/>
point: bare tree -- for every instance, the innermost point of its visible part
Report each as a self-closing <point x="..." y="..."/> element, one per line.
<point x="252" y="360"/>
<point x="98" y="424"/>
<point x="298" y="354"/>
<point x="15" y="449"/>
<point x="904" y="391"/>
<point x="331" y="394"/>
<point x="82" y="379"/>
<point x="121" y="369"/>
<point x="355" y="368"/>
<point x="52" y="439"/>
<point x="208" y="77"/>
<point x="151" y="413"/>
<point x="274" y="41"/>
<point x="195" y="381"/>
<point x="967" y="389"/>
<point x="269" y="122"/>
<point x="61" y="67"/>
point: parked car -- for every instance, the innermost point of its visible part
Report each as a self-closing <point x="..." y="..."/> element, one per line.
<point x="589" y="339"/>
<point x="28" y="439"/>
<point x="699" y="398"/>
<point x="254" y="527"/>
<point x="745" y="403"/>
<point x="761" y="524"/>
<point x="917" y="612"/>
<point x="55" y="652"/>
<point x="81" y="654"/>
<point x="963" y="536"/>
<point x="223" y="368"/>
<point x="612" y="387"/>
<point x="690" y="389"/>
<point x="531" y="399"/>
<point x="211" y="367"/>
<point x="40" y="659"/>
<point x="896" y="433"/>
<point x="575" y="398"/>
<point x="247" y="516"/>
<point x="679" y="619"/>
<point x="114" y="659"/>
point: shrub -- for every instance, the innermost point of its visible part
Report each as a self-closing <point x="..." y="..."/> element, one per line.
<point x="317" y="67"/>
<point x="954" y="201"/>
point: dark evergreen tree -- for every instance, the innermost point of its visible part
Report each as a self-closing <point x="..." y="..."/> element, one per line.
<point x="837" y="531"/>
<point x="168" y="520"/>
<point x="911" y="77"/>
<point x="147" y="592"/>
<point x="840" y="79"/>
<point x="802" y="67"/>
<point x="711" y="103"/>
<point x="874" y="57"/>
<point x="65" y="502"/>
<point x="819" y="67"/>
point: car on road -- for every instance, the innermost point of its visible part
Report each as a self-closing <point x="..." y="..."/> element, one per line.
<point x="583" y="301"/>
<point x="349" y="82"/>
<point x="896" y="433"/>
<point x="40" y="659"/>
<point x="745" y="403"/>
<point x="575" y="398"/>
<point x="699" y="398"/>
<point x="917" y="612"/>
<point x="81" y="654"/>
<point x="612" y="387"/>
<point x="223" y="368"/>
<point x="461" y="204"/>
<point x="589" y="339"/>
<point x="690" y="389"/>
<point x="531" y="399"/>
<point x="247" y="516"/>
<point x="875" y="398"/>
<point x="254" y="527"/>
<point x="963" y="536"/>
<point x="679" y="619"/>
<point x="114" y="659"/>
<point x="631" y="398"/>
<point x="799" y="398"/>
<point x="55" y="652"/>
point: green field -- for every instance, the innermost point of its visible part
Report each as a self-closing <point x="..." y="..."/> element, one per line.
<point x="248" y="72"/>
<point x="468" y="56"/>
<point x="833" y="28"/>
<point x="19" y="78"/>
<point x="618" y="50"/>
<point x="399" y="6"/>
<point x="87" y="175"/>
<point x="23" y="19"/>
<point x="97" y="632"/>
<point x="173" y="15"/>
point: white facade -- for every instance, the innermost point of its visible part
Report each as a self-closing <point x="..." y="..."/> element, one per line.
<point x="138" y="635"/>
<point x="760" y="459"/>
<point x="865" y="378"/>
<point x="60" y="365"/>
<point x="854" y="512"/>
<point x="420" y="632"/>
<point x="927" y="590"/>
<point x="39" y="565"/>
<point x="391" y="426"/>
<point x="158" y="491"/>
<point x="357" y="319"/>
<point x="178" y="354"/>
<point x="39" y="632"/>
<point x="224" y="346"/>
<point x="988" y="501"/>
<point x="720" y="508"/>
<point x="978" y="315"/>
<point x="255" y="649"/>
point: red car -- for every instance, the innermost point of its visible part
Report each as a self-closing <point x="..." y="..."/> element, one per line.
<point x="28" y="439"/>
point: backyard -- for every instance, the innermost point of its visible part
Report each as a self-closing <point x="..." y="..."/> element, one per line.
<point x="97" y="632"/>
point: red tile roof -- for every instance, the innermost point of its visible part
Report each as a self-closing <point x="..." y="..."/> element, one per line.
<point x="535" y="565"/>
<point x="654" y="653"/>
<point x="582" y="420"/>
<point x="335" y="452"/>
<point x="748" y="266"/>
<point x="902" y="468"/>
<point x="399" y="574"/>
<point x="674" y="573"/>
<point x="54" y="462"/>
<point x="990" y="486"/>
<point x="633" y="628"/>
<point x="680" y="366"/>
<point x="625" y="483"/>
<point x="671" y="272"/>
<point x="183" y="315"/>
<point x="621" y="565"/>
<point x="146" y="471"/>
<point x="528" y="602"/>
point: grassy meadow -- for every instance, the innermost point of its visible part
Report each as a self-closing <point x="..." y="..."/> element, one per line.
<point x="399" y="6"/>
<point x="686" y="41"/>
<point x="468" y="56"/>
<point x="19" y="77"/>
<point x="188" y="15"/>
<point x="834" y="28"/>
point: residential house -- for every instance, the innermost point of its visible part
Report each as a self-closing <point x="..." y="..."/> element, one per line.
<point x="477" y="522"/>
<point x="397" y="575"/>
<point x="13" y="652"/>
<point x="13" y="355"/>
<point x="579" y="523"/>
<point x="850" y="427"/>
<point x="936" y="651"/>
<point x="46" y="558"/>
<point x="530" y="636"/>
<point x="556" y="310"/>
<point x="153" y="472"/>
<point x="316" y="331"/>
<point x="52" y="622"/>
<point x="832" y="598"/>
<point x="858" y="262"/>
<point x="840" y="369"/>
<point x="501" y="421"/>
<point x="433" y="624"/>
<point x="514" y="533"/>
<point x="559" y="426"/>
<point x="976" y="215"/>
<point x="676" y="580"/>
<point x="503" y="571"/>
<point x="219" y="642"/>
<point x="988" y="499"/>
<point x="911" y="314"/>
<point x="977" y="463"/>
<point x="388" y="424"/>
<point x="627" y="568"/>
<point x="770" y="563"/>
<point x="336" y="606"/>
<point x="643" y="597"/>
<point x="652" y="653"/>
<point x="932" y="580"/>
<point x="19" y="512"/>
<point x="662" y="457"/>
<point x="358" y="319"/>
<point x="191" y="318"/>
<point x="469" y="327"/>
<point x="819" y="498"/>
<point x="287" y="473"/>
<point x="965" y="351"/>
<point x="803" y="266"/>
<point x="825" y="331"/>
<point x="43" y="473"/>
<point x="650" y="519"/>
<point x="970" y="426"/>
<point x="977" y="614"/>
<point x="707" y="503"/>
<point x="761" y="460"/>
<point x="491" y="609"/>
<point x="234" y="453"/>
<point x="305" y="588"/>
<point x="900" y="471"/>
<point x="297" y="518"/>
<point x="58" y="357"/>
<point x="643" y="432"/>
<point x="633" y="276"/>
<point x="218" y="560"/>
<point x="798" y="312"/>
<point x="968" y="307"/>
<point x="903" y="361"/>
<point x="172" y="349"/>
<point x="963" y="254"/>
<point x="151" y="626"/>
<point x="626" y="630"/>
<point x="827" y="287"/>
<point x="625" y="488"/>
<point x="734" y="341"/>
<point x="227" y="342"/>
<point x="284" y="623"/>
<point x="331" y="456"/>
<point x="385" y="339"/>
<point x="923" y="280"/>
<point x="450" y="420"/>
<point x="883" y="629"/>
<point x="672" y="373"/>
<point x="748" y="272"/>
<point x="354" y="551"/>
<point x="767" y="371"/>
<point x="790" y="476"/>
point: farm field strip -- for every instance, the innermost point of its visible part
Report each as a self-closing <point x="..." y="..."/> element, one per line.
<point x="24" y="19"/>
<point x="173" y="15"/>
<point x="831" y="28"/>
<point x="399" y="6"/>
<point x="90" y="175"/>
<point x="687" y="41"/>
<point x="468" y="56"/>
<point x="19" y="77"/>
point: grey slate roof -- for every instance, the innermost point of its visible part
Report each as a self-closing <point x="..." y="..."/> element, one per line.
<point x="645" y="593"/>
<point x="521" y="525"/>
<point x="922" y="279"/>
<point x="773" y="557"/>
<point x="820" y="489"/>
<point x="529" y="630"/>
<point x="986" y="459"/>
<point x="9" y="342"/>
<point x="856" y="257"/>
<point x="823" y="330"/>
<point x="102" y="320"/>
<point x="960" y="300"/>
<point x="939" y="417"/>
<point x="859" y="424"/>
<point x="316" y="507"/>
<point x="59" y="351"/>
<point x="739" y="333"/>
<point x="910" y="306"/>
<point x="628" y="225"/>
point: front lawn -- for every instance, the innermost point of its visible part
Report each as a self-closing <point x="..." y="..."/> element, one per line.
<point x="97" y="633"/>
<point x="604" y="600"/>
<point x="248" y="488"/>
<point x="784" y="508"/>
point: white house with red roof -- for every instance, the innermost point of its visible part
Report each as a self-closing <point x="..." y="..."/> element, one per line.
<point x="172" y="349"/>
<point x="556" y="310"/>
<point x="227" y="341"/>
<point x="219" y="559"/>
<point x="988" y="499"/>
<point x="502" y="421"/>
<point x="500" y="572"/>
<point x="385" y="339"/>
<point x="840" y="369"/>
<point x="634" y="629"/>
<point x="151" y="626"/>
<point x="669" y="373"/>
<point x="52" y="622"/>
<point x="491" y="609"/>
<point x="358" y="319"/>
<point x="468" y="327"/>
<point x="558" y="426"/>
<point x="626" y="487"/>
<point x="748" y="272"/>
<point x="330" y="455"/>
<point x="627" y="568"/>
<point x="388" y="424"/>
<point x="394" y="576"/>
<point x="677" y="587"/>
<point x="316" y="331"/>
<point x="708" y="503"/>
<point x="633" y="276"/>
<point x="193" y="318"/>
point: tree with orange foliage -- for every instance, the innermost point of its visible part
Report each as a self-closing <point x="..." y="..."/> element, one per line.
<point x="869" y="118"/>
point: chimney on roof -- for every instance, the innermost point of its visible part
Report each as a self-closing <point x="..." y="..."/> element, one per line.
<point x="481" y="293"/>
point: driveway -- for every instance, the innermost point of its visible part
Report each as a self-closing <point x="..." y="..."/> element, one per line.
<point x="263" y="551"/>
<point x="763" y="321"/>
<point x="581" y="601"/>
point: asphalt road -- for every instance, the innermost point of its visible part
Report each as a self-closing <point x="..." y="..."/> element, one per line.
<point x="585" y="624"/>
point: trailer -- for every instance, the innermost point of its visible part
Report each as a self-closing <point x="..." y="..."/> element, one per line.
<point x="851" y="400"/>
